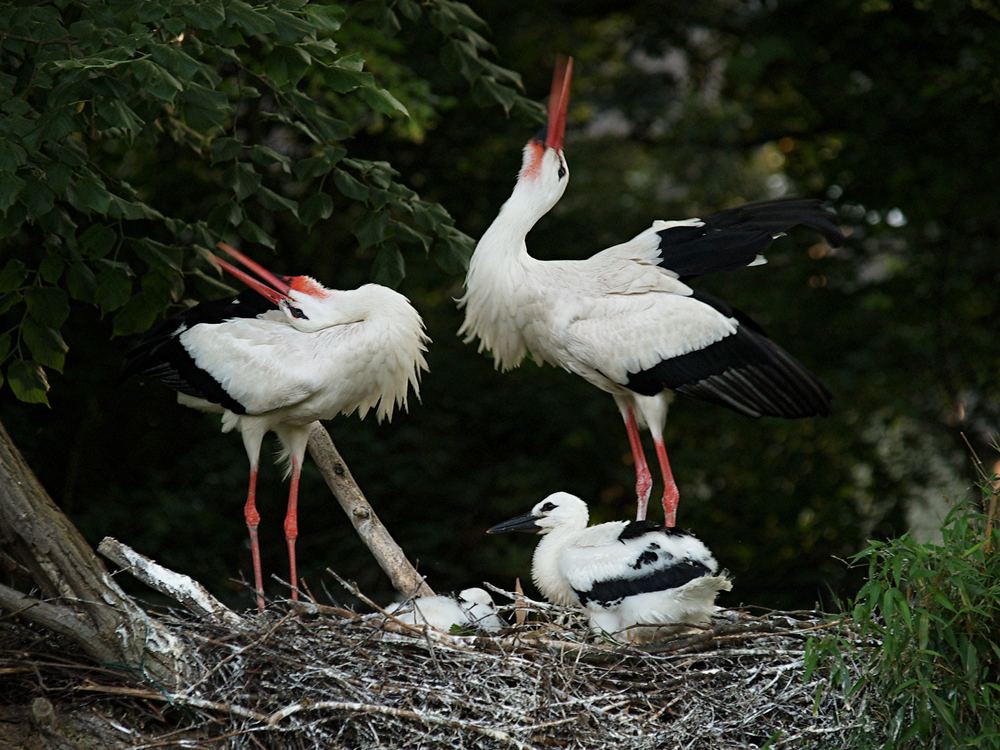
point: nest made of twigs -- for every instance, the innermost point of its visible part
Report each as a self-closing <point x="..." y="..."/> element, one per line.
<point x="311" y="676"/>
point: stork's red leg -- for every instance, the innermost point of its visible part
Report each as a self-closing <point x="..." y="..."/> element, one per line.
<point x="643" y="479"/>
<point x="671" y="495"/>
<point x="253" y="521"/>
<point x="292" y="526"/>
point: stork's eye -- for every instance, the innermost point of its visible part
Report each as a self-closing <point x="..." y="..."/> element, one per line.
<point x="547" y="507"/>
<point x="297" y="313"/>
<point x="562" y="169"/>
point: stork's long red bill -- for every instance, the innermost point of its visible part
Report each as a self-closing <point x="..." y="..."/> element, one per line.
<point x="279" y="288"/>
<point x="562" y="77"/>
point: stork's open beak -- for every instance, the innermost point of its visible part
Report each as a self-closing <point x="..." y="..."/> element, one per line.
<point x="555" y="128"/>
<point x="278" y="289"/>
<point x="527" y="522"/>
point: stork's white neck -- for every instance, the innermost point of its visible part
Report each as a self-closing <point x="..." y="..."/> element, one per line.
<point x="498" y="272"/>
<point x="519" y="214"/>
<point x="545" y="564"/>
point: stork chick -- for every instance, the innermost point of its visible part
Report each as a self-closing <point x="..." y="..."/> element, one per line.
<point x="471" y="608"/>
<point x="623" y="573"/>
<point x="278" y="362"/>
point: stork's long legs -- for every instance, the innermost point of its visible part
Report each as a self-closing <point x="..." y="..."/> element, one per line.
<point x="292" y="525"/>
<point x="252" y="438"/>
<point x="294" y="439"/>
<point x="643" y="479"/>
<point x="671" y="495"/>
<point x="253" y="521"/>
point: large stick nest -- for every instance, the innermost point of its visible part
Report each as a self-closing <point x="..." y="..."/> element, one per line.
<point x="313" y="676"/>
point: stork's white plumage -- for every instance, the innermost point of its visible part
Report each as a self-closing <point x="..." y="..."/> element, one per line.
<point x="624" y="319"/>
<point x="471" y="608"/>
<point x="624" y="573"/>
<point x="278" y="362"/>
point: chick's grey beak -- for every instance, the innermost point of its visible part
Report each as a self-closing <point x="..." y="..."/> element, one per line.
<point x="527" y="522"/>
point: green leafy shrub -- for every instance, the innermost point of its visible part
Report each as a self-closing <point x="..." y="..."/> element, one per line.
<point x="923" y="641"/>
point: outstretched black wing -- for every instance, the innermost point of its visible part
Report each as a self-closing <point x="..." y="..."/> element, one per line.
<point x="733" y="238"/>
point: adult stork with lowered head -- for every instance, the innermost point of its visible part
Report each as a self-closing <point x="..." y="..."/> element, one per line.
<point x="625" y="574"/>
<point x="282" y="356"/>
<point x="624" y="319"/>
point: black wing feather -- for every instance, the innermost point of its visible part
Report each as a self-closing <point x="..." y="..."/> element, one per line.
<point x="733" y="238"/>
<point x="635" y="529"/>
<point x="612" y="590"/>
<point x="746" y="372"/>
<point x="159" y="353"/>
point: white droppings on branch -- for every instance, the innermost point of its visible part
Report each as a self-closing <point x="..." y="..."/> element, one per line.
<point x="179" y="587"/>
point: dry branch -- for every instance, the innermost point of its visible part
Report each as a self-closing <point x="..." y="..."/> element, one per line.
<point x="390" y="557"/>
<point x="85" y="603"/>
<point x="177" y="586"/>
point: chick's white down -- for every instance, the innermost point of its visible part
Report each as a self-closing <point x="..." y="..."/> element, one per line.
<point x="472" y="607"/>
<point x="624" y="574"/>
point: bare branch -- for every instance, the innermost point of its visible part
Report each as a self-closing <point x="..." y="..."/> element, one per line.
<point x="390" y="557"/>
<point x="177" y="586"/>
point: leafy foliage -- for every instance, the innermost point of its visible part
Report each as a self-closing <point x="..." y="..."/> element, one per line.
<point x="934" y="610"/>
<point x="251" y="106"/>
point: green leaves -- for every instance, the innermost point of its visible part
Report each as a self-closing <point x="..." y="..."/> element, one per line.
<point x="10" y="189"/>
<point x="47" y="305"/>
<point x="12" y="275"/>
<point x="165" y="125"/>
<point x="326" y="18"/>
<point x="931" y="610"/>
<point x="389" y="267"/>
<point x="27" y="380"/>
<point x="45" y="344"/>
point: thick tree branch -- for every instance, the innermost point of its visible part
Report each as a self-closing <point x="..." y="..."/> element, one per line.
<point x="405" y="578"/>
<point x="112" y="628"/>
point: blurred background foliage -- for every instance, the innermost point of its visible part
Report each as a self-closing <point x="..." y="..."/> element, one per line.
<point x="275" y="126"/>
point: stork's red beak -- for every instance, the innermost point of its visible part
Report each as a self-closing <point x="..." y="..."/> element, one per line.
<point x="278" y="289"/>
<point x="555" y="129"/>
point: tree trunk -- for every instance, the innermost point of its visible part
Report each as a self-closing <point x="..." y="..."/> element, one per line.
<point x="82" y="601"/>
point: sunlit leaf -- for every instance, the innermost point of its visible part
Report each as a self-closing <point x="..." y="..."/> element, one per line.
<point x="28" y="382"/>
<point x="45" y="344"/>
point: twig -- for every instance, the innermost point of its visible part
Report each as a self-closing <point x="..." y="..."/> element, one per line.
<point x="402" y="713"/>
<point x="182" y="700"/>
<point x="177" y="586"/>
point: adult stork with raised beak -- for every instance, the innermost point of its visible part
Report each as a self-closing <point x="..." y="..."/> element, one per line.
<point x="625" y="319"/>
<point x="282" y="356"/>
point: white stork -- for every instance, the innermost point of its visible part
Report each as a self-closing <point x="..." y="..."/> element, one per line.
<point x="278" y="362"/>
<point x="471" y="608"/>
<point x="624" y="319"/>
<point x="624" y="573"/>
